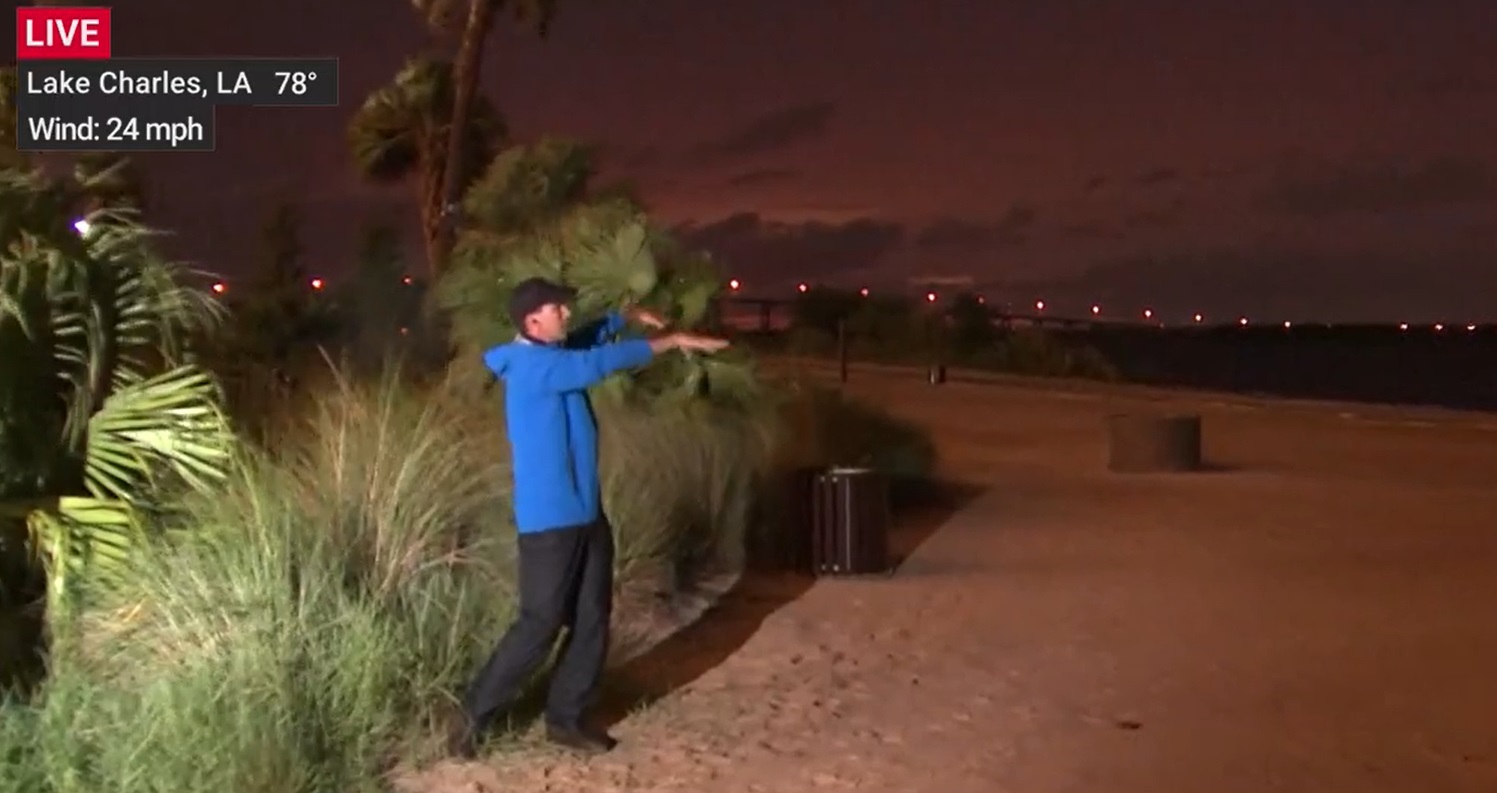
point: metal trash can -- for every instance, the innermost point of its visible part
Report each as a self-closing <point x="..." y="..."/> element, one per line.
<point x="850" y="522"/>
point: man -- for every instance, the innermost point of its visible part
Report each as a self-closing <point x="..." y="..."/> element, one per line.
<point x="565" y="542"/>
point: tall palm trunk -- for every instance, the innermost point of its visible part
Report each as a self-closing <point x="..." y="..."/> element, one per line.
<point x="465" y="78"/>
<point x="434" y="227"/>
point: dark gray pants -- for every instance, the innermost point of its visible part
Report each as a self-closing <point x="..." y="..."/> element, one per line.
<point x="566" y="581"/>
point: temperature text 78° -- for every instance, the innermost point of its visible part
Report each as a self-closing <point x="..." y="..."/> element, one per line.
<point x="296" y="82"/>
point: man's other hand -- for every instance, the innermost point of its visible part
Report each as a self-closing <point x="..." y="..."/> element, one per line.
<point x="645" y="317"/>
<point x="688" y="341"/>
<point x="691" y="341"/>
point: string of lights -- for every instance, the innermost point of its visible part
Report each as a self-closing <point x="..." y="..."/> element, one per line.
<point x="1038" y="311"/>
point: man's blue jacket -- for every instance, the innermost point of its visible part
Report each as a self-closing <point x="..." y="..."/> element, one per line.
<point x="552" y="434"/>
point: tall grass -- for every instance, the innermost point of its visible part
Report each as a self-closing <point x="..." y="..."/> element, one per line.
<point x="298" y="632"/>
<point x="305" y="629"/>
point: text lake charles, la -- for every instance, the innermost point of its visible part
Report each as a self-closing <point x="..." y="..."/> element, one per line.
<point x="123" y="83"/>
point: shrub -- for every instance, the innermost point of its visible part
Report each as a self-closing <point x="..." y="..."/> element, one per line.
<point x="304" y="629"/>
<point x="299" y="629"/>
<point x="103" y="417"/>
<point x="1034" y="352"/>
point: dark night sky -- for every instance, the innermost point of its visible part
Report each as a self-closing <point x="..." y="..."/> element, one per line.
<point x="1297" y="159"/>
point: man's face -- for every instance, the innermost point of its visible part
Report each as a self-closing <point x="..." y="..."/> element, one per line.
<point x="548" y="323"/>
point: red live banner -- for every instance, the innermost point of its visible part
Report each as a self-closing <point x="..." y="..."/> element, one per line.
<point x="62" y="33"/>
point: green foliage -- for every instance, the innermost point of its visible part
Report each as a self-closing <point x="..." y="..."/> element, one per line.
<point x="277" y="314"/>
<point x="401" y="129"/>
<point x="532" y="214"/>
<point x="378" y="305"/>
<point x="830" y="428"/>
<point x="312" y="621"/>
<point x="305" y="623"/>
<point x="102" y="414"/>
<point x="110" y="179"/>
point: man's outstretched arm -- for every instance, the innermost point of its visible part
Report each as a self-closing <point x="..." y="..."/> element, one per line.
<point x="599" y="331"/>
<point x="613" y="323"/>
<point x="561" y="370"/>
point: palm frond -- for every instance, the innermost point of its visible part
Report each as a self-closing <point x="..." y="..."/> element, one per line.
<point x="402" y="127"/>
<point x="400" y="122"/>
<point x="169" y="423"/>
<point x="99" y="414"/>
<point x="82" y="540"/>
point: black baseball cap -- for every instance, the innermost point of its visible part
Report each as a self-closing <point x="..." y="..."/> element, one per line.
<point x="533" y="293"/>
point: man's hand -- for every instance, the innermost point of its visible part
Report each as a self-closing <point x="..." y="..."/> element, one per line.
<point x="695" y="343"/>
<point x="688" y="341"/>
<point x="645" y="317"/>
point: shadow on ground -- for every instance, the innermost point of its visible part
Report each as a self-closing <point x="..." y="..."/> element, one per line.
<point x="919" y="509"/>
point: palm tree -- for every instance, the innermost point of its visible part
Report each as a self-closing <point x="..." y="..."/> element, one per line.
<point x="402" y="133"/>
<point x="102" y="412"/>
<point x="443" y="16"/>
<point x="534" y="212"/>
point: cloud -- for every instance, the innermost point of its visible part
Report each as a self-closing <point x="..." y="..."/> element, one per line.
<point x="628" y="157"/>
<point x="1458" y="85"/>
<point x="1157" y="176"/>
<point x="1090" y="232"/>
<point x="1157" y="217"/>
<point x="771" y="132"/>
<point x="762" y="176"/>
<point x="959" y="234"/>
<point x="767" y="251"/>
<point x="1380" y="188"/>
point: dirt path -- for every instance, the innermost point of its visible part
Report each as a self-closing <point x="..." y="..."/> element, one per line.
<point x="1318" y="617"/>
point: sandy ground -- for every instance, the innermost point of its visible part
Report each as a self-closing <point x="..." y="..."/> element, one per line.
<point x="1315" y="616"/>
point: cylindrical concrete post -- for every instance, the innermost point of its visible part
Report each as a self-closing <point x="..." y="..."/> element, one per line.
<point x="1143" y="442"/>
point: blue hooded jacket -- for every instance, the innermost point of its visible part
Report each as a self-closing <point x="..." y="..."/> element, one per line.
<point x="552" y="435"/>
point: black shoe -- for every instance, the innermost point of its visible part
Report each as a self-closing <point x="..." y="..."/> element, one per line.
<point x="581" y="739"/>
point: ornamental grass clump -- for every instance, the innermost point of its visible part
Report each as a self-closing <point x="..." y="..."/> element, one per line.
<point x="301" y="630"/>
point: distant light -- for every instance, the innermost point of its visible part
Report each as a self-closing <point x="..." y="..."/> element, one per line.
<point x="1096" y="310"/>
<point x="82" y="226"/>
<point x="1039" y="305"/>
<point x="408" y="280"/>
<point x="220" y="287"/>
<point x="1198" y="318"/>
<point x="318" y="283"/>
<point x="1242" y="321"/>
<point x="1148" y="313"/>
<point x="803" y="287"/>
<point x="1471" y="326"/>
<point x="1288" y="324"/>
<point x="1439" y="326"/>
<point x="982" y="300"/>
<point x="735" y="284"/>
<point x="405" y="331"/>
<point x="863" y="291"/>
<point x="1403" y="326"/>
<point x="930" y="297"/>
